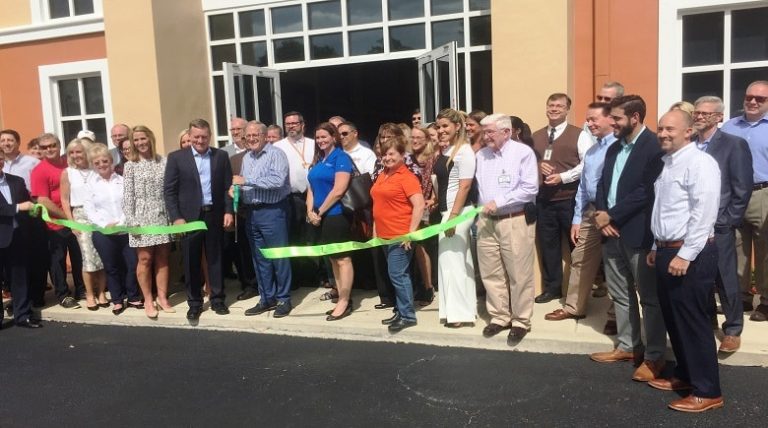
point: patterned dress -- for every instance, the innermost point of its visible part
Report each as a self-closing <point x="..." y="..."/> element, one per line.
<point x="143" y="201"/>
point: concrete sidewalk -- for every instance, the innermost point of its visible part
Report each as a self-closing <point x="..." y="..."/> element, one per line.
<point x="308" y="320"/>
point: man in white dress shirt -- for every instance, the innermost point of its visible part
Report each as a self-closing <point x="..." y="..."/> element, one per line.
<point x="686" y="203"/>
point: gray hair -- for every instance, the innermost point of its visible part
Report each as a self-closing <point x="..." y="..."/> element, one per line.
<point x="260" y="126"/>
<point x="717" y="101"/>
<point x="501" y="120"/>
<point x="615" y="85"/>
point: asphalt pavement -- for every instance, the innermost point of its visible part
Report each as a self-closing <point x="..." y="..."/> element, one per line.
<point x="91" y="375"/>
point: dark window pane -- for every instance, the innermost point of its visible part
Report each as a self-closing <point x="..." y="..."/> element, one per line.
<point x="479" y="4"/>
<point x="252" y="23"/>
<point x="98" y="127"/>
<point x="363" y="11"/>
<point x="266" y="91"/>
<point x="83" y="7"/>
<point x="325" y="14"/>
<point x="444" y="84"/>
<point x="221" y="26"/>
<point x="286" y="19"/>
<point x="69" y="129"/>
<point x="94" y="101"/>
<point x="482" y="89"/>
<point x="254" y="54"/>
<point x="404" y="9"/>
<point x="406" y="37"/>
<point x="462" y="82"/>
<point x="442" y="7"/>
<point x="447" y="31"/>
<point x="220" y="102"/>
<point x="287" y="50"/>
<point x="222" y="53"/>
<point x="428" y="88"/>
<point x="69" y="97"/>
<point x="326" y="46"/>
<point x="696" y="85"/>
<point x="245" y="101"/>
<point x="366" y="42"/>
<point x="750" y="35"/>
<point x="703" y="39"/>
<point x="58" y="9"/>
<point x="740" y="79"/>
<point x="480" y="30"/>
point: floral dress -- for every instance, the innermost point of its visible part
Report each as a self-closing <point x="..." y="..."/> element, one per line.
<point x="143" y="201"/>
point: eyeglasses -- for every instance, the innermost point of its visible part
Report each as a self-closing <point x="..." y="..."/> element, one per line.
<point x="705" y="114"/>
<point x="102" y="162"/>
<point x="345" y="133"/>
<point x="293" y="123"/>
<point x="758" y="99"/>
<point x="48" y="146"/>
<point x="603" y="99"/>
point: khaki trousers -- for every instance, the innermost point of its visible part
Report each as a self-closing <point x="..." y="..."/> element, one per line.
<point x="754" y="231"/>
<point x="585" y="262"/>
<point x="505" y="250"/>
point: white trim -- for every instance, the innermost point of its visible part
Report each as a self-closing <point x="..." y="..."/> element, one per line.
<point x="53" y="29"/>
<point x="49" y="74"/>
<point x="41" y="13"/>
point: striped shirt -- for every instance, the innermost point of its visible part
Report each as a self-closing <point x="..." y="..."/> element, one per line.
<point x="266" y="176"/>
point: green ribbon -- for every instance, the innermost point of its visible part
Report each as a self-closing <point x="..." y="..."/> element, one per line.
<point x="342" y="247"/>
<point x="40" y="210"/>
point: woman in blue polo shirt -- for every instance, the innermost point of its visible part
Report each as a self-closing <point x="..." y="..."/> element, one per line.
<point x="328" y="181"/>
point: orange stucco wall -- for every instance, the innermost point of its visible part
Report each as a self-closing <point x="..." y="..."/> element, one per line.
<point x="20" y="105"/>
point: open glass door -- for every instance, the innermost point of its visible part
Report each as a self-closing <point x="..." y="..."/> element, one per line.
<point x="253" y="93"/>
<point x="438" y="81"/>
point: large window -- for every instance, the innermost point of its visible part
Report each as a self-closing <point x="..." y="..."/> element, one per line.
<point x="75" y="96"/>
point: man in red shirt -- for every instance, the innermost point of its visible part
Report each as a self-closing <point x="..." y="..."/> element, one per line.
<point x="45" y="180"/>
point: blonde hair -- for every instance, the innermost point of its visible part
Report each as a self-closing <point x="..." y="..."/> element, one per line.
<point x="457" y="118"/>
<point x="134" y="156"/>
<point x="684" y="106"/>
<point x="429" y="147"/>
<point x="82" y="142"/>
<point x="181" y="136"/>
<point x="97" y="151"/>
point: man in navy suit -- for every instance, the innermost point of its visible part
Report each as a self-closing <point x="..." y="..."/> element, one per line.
<point x="735" y="161"/>
<point x="14" y="221"/>
<point x="196" y="184"/>
<point x="623" y="208"/>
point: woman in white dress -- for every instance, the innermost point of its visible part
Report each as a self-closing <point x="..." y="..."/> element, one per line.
<point x="455" y="171"/>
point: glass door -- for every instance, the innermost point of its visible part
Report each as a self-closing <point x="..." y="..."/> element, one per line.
<point x="438" y="81"/>
<point x="253" y="93"/>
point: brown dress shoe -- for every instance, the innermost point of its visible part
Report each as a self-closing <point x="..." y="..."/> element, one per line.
<point x="559" y="315"/>
<point x="760" y="313"/>
<point x="649" y="370"/>
<point x="610" y="328"/>
<point x="693" y="404"/>
<point x="671" y="384"/>
<point x="612" y="356"/>
<point x="730" y="344"/>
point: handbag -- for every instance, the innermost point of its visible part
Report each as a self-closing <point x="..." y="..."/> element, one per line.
<point x="358" y="195"/>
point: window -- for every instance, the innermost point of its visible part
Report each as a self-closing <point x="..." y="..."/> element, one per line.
<point x="75" y="96"/>
<point x="68" y="8"/>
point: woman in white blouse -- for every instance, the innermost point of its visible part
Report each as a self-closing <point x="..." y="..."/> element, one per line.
<point x="455" y="171"/>
<point x="104" y="208"/>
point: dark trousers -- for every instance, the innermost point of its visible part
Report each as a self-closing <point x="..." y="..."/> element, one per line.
<point x="554" y="222"/>
<point x="61" y="242"/>
<point x="119" y="261"/>
<point x="685" y="304"/>
<point x="306" y="270"/>
<point x="39" y="262"/>
<point x="13" y="260"/>
<point x="728" y="287"/>
<point x="192" y="246"/>
<point x="244" y="260"/>
<point x="267" y="228"/>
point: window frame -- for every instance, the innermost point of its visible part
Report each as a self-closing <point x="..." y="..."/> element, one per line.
<point x="41" y="12"/>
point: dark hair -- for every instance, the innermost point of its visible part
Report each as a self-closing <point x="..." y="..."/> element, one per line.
<point x="350" y="125"/>
<point x="605" y="107"/>
<point x="330" y="129"/>
<point x="199" y="124"/>
<point x="631" y="104"/>
<point x="560" y="96"/>
<point x="294" y="113"/>
<point x="525" y="130"/>
<point x="477" y="115"/>
<point x="33" y="143"/>
<point x="416" y="111"/>
<point x="12" y="132"/>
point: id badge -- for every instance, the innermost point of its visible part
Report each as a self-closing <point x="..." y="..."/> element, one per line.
<point x="547" y="154"/>
<point x="505" y="179"/>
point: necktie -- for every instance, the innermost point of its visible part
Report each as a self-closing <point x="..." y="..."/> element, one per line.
<point x="551" y="136"/>
<point x="599" y="140"/>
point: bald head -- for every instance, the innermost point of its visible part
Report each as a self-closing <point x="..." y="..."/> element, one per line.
<point x="675" y="130"/>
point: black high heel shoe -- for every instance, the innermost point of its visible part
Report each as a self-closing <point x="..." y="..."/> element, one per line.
<point x="344" y="314"/>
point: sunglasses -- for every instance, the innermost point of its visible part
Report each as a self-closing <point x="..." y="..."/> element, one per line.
<point x="758" y="99"/>
<point x="603" y="99"/>
<point x="344" y="134"/>
<point x="47" y="146"/>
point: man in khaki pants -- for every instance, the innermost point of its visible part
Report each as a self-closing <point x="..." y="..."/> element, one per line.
<point x="507" y="178"/>
<point x="586" y="256"/>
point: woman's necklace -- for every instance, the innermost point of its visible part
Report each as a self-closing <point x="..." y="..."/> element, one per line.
<point x="84" y="175"/>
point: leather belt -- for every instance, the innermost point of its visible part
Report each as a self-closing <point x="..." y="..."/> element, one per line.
<point x="505" y="216"/>
<point x="759" y="186"/>
<point x="206" y="208"/>
<point x="676" y="244"/>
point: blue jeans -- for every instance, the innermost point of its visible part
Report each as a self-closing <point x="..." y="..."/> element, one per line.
<point x="268" y="227"/>
<point x="120" y="266"/>
<point x="398" y="264"/>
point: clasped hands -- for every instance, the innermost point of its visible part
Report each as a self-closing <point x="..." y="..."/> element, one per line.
<point x="603" y="222"/>
<point x="313" y="218"/>
<point x="550" y="177"/>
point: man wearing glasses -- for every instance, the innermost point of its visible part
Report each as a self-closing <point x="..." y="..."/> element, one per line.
<point x="753" y="127"/>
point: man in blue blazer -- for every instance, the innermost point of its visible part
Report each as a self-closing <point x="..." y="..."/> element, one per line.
<point x="196" y="183"/>
<point x="14" y="234"/>
<point x="735" y="161"/>
<point x="623" y="210"/>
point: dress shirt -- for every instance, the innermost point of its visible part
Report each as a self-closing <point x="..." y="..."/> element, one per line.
<point x="618" y="167"/>
<point x="203" y="162"/>
<point x="21" y="167"/>
<point x="300" y="155"/>
<point x="594" y="160"/>
<point x="704" y="145"/>
<point x="509" y="176"/>
<point x="582" y="145"/>
<point x="266" y="176"/>
<point x="687" y="200"/>
<point x="5" y="190"/>
<point x="756" y="134"/>
<point x="105" y="204"/>
<point x="363" y="157"/>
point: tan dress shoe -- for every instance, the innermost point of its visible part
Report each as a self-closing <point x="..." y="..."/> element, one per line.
<point x="649" y="370"/>
<point x="561" y="314"/>
<point x="692" y="404"/>
<point x="612" y="356"/>
<point x="730" y="344"/>
<point x="671" y="384"/>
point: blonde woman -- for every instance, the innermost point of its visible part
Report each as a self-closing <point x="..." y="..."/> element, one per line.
<point x="455" y="171"/>
<point x="424" y="153"/>
<point x="74" y="193"/>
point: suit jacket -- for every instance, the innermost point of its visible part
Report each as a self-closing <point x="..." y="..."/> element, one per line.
<point x="237" y="162"/>
<point x="8" y="212"/>
<point x="735" y="161"/>
<point x="634" y="194"/>
<point x="182" y="190"/>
